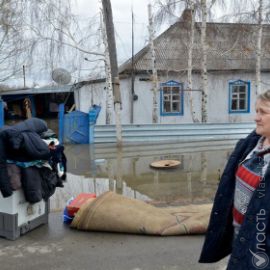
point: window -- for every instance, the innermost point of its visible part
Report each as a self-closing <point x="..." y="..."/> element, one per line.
<point x="239" y="96"/>
<point x="171" y="97"/>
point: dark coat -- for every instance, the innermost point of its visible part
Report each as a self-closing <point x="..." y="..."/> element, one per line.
<point x="21" y="142"/>
<point x="38" y="183"/>
<point x="32" y="184"/>
<point x="5" y="184"/>
<point x="219" y="237"/>
<point x="49" y="182"/>
<point x="24" y="142"/>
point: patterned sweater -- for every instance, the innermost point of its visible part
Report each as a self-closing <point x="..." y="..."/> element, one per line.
<point x="248" y="176"/>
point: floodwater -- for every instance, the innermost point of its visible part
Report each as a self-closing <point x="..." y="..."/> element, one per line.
<point x="97" y="169"/>
<point x="126" y="171"/>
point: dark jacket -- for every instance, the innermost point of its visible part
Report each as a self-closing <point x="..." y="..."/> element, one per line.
<point x="5" y="183"/>
<point x="38" y="183"/>
<point x="32" y="184"/>
<point x="21" y="142"/>
<point x="219" y="237"/>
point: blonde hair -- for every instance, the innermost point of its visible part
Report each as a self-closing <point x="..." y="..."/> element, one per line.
<point x="264" y="96"/>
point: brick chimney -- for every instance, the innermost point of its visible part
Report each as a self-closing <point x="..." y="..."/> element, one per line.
<point x="186" y="15"/>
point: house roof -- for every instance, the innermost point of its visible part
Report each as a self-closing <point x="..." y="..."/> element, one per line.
<point x="230" y="46"/>
<point x="5" y="90"/>
<point x="42" y="90"/>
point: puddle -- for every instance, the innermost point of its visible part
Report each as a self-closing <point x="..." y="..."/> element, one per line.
<point x="128" y="172"/>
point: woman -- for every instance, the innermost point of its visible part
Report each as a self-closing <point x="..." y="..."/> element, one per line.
<point x="240" y="218"/>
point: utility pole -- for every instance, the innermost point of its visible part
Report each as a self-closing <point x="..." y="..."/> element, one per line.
<point x="154" y="69"/>
<point x="108" y="18"/>
<point x="132" y="73"/>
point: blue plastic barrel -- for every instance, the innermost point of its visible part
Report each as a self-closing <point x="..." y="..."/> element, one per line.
<point x="76" y="127"/>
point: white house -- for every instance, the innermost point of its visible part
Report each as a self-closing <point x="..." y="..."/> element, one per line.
<point x="231" y="76"/>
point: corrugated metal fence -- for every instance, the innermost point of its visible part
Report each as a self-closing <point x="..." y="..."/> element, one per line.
<point x="155" y="133"/>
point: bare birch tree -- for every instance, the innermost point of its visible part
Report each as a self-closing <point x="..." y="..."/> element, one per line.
<point x="13" y="45"/>
<point x="256" y="12"/>
<point x="204" y="103"/>
<point x="165" y="12"/>
<point x="109" y="90"/>
<point x="259" y="49"/>
<point x="65" y="41"/>
<point x="44" y="34"/>
<point x="202" y="8"/>
<point x="154" y="69"/>
<point x="190" y="61"/>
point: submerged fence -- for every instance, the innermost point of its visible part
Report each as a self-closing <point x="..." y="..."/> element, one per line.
<point x="159" y="133"/>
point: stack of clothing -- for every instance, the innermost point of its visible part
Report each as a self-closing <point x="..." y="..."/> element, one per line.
<point x="32" y="159"/>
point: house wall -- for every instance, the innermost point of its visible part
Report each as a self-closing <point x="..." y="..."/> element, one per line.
<point x="89" y="95"/>
<point x="219" y="97"/>
<point x="218" y="105"/>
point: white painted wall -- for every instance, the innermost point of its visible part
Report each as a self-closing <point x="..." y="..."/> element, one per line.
<point x="219" y="96"/>
<point x="218" y="105"/>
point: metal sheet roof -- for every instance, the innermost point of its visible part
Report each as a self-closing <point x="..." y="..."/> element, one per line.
<point x="231" y="46"/>
<point x="42" y="90"/>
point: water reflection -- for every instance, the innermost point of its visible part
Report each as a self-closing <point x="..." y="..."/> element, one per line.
<point x="126" y="171"/>
<point x="77" y="184"/>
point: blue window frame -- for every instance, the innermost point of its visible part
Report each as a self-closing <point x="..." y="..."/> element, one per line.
<point x="239" y="96"/>
<point x="171" y="98"/>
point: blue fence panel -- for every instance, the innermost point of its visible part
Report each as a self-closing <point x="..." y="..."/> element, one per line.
<point x="159" y="133"/>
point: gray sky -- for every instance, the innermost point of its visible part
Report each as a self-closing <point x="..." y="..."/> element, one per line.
<point x="122" y="21"/>
<point x="87" y="9"/>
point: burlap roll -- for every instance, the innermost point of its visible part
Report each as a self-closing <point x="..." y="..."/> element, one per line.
<point x="115" y="213"/>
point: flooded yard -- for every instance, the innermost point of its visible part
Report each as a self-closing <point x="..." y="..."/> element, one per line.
<point x="126" y="171"/>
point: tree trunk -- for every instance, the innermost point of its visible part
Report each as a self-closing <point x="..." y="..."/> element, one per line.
<point x="107" y="9"/>
<point x="204" y="63"/>
<point x="154" y="69"/>
<point x="259" y="50"/>
<point x="190" y="57"/>
<point x="204" y="168"/>
<point x="189" y="176"/>
<point x="132" y="75"/>
<point x="109" y="91"/>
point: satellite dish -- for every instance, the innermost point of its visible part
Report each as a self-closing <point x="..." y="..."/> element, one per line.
<point x="61" y="76"/>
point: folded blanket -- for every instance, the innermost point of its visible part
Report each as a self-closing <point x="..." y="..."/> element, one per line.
<point x="115" y="213"/>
